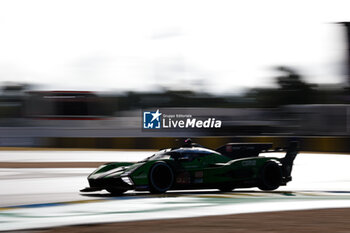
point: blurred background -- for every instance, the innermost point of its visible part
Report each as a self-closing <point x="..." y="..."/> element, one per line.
<point x="80" y="73"/>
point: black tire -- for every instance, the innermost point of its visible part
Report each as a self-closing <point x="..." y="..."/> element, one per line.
<point x="270" y="176"/>
<point x="161" y="177"/>
<point x="116" y="192"/>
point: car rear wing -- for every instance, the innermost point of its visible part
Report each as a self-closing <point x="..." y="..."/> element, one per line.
<point x="287" y="161"/>
<point x="244" y="150"/>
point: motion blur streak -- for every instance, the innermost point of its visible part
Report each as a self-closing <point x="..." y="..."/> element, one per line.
<point x="34" y="202"/>
<point x="30" y="116"/>
<point x="81" y="81"/>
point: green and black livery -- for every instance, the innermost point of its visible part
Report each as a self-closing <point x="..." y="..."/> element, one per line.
<point x="192" y="166"/>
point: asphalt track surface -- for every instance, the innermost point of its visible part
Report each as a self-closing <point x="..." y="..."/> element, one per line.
<point x="48" y="197"/>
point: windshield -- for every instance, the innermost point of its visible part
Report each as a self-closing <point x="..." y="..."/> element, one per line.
<point x="159" y="155"/>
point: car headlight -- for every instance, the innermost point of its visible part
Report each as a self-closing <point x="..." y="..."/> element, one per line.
<point x="127" y="180"/>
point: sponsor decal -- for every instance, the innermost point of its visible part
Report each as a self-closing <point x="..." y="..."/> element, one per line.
<point x="198" y="180"/>
<point x="198" y="174"/>
<point x="183" y="178"/>
<point x="140" y="176"/>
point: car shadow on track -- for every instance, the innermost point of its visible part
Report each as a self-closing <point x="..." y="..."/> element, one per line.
<point x="186" y="193"/>
<point x="148" y="195"/>
<point x="211" y="193"/>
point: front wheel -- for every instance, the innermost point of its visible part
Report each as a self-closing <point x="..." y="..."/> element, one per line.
<point x="161" y="177"/>
<point x="270" y="176"/>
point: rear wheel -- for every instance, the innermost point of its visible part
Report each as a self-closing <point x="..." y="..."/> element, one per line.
<point x="161" y="177"/>
<point x="270" y="176"/>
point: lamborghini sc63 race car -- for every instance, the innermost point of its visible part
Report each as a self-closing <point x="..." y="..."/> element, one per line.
<point x="191" y="166"/>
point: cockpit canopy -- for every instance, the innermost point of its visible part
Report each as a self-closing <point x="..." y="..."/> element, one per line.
<point x="182" y="153"/>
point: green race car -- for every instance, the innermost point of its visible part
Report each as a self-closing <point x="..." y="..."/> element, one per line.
<point x="191" y="166"/>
